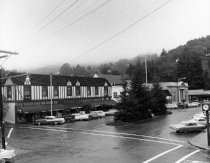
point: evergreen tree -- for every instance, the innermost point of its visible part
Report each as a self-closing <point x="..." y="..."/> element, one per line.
<point x="158" y="99"/>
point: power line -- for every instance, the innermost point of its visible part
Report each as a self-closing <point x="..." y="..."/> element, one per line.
<point x="122" y="31"/>
<point x="43" y="19"/>
<point x="59" y="15"/>
<point x="76" y="20"/>
<point x="55" y="18"/>
<point x="14" y="76"/>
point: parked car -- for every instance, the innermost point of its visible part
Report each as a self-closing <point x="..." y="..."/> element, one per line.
<point x="6" y="155"/>
<point x="200" y="120"/>
<point x="171" y="106"/>
<point x="93" y="115"/>
<point x="199" y="115"/>
<point x="69" y="118"/>
<point x="110" y="112"/>
<point x="193" y="104"/>
<point x="187" y="126"/>
<point x="78" y="116"/>
<point x="100" y="113"/>
<point x="49" y="120"/>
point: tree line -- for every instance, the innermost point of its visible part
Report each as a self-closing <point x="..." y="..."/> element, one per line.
<point x="190" y="61"/>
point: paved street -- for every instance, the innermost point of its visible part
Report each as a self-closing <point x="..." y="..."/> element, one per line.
<point x="94" y="141"/>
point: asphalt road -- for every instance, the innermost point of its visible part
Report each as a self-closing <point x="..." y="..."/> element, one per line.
<point x="95" y="142"/>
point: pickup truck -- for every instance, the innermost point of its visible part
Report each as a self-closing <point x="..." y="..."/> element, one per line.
<point x="49" y="120"/>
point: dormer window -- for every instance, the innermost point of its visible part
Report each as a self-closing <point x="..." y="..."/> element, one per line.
<point x="27" y="81"/>
<point x="77" y="88"/>
<point x="69" y="88"/>
<point x="9" y="91"/>
<point x="105" y="89"/>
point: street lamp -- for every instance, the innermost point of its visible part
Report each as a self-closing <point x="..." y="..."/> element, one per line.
<point x="179" y="79"/>
<point x="1" y="102"/>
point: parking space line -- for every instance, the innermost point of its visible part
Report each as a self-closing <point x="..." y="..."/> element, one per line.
<point x="161" y="154"/>
<point x="9" y="134"/>
<point x="96" y="134"/>
<point x="119" y="133"/>
<point x="183" y="158"/>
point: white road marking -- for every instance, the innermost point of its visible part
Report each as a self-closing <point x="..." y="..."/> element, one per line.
<point x="161" y="154"/>
<point x="9" y="134"/>
<point x="183" y="158"/>
<point x="87" y="133"/>
<point x="119" y="133"/>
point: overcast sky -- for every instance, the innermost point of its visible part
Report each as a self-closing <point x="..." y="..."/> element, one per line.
<point x="47" y="32"/>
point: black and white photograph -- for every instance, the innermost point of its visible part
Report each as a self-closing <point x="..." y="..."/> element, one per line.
<point x="104" y="81"/>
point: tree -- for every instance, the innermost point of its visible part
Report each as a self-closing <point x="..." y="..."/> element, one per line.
<point x="158" y="99"/>
<point x="66" y="69"/>
<point x="190" y="66"/>
<point x="163" y="53"/>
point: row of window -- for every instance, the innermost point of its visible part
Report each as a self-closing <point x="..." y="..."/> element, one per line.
<point x="27" y="91"/>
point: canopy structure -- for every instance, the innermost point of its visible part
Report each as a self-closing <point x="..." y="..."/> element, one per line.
<point x="39" y="108"/>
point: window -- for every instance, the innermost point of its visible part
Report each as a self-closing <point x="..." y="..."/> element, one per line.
<point x="88" y="91"/>
<point x="69" y="90"/>
<point x="56" y="91"/>
<point x="115" y="94"/>
<point x="44" y="91"/>
<point x="9" y="91"/>
<point x="77" y="90"/>
<point x="96" y="90"/>
<point x="27" y="92"/>
<point x="105" y="91"/>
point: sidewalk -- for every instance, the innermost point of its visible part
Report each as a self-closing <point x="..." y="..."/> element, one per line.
<point x="200" y="141"/>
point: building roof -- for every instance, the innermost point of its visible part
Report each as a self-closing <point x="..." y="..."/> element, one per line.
<point x="113" y="79"/>
<point x="166" y="92"/>
<point x="58" y="80"/>
<point x="199" y="92"/>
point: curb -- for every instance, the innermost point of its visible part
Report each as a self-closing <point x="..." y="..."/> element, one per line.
<point x="203" y="148"/>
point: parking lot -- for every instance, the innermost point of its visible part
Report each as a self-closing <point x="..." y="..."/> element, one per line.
<point x="94" y="141"/>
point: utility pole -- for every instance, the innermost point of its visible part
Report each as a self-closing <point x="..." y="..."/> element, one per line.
<point x="145" y="60"/>
<point x="51" y="94"/>
<point x="1" y="101"/>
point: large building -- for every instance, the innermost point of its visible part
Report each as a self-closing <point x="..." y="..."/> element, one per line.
<point x="29" y="94"/>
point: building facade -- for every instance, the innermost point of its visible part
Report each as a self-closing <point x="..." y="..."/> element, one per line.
<point x="116" y="82"/>
<point x="178" y="92"/>
<point x="34" y="93"/>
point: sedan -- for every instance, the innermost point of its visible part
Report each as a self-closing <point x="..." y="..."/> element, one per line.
<point x="171" y="106"/>
<point x="50" y="120"/>
<point x="110" y="112"/>
<point x="187" y="126"/>
<point x="78" y="116"/>
<point x="193" y="104"/>
<point x="200" y="120"/>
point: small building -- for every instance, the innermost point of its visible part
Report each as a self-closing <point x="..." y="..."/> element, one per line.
<point x="175" y="92"/>
<point x="30" y="94"/>
<point x="116" y="82"/>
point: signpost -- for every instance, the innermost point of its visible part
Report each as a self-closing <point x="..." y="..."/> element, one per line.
<point x="206" y="108"/>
